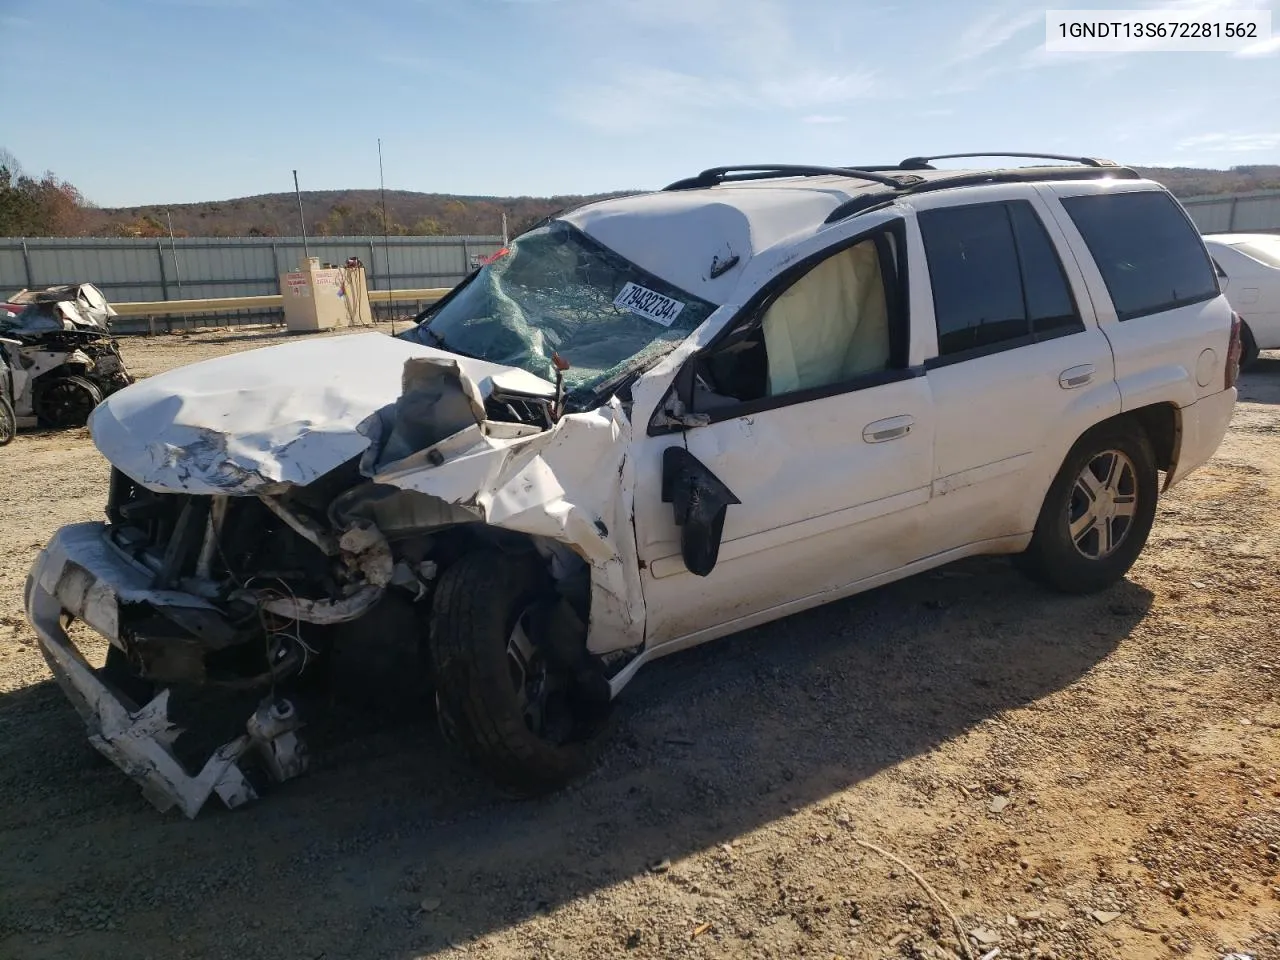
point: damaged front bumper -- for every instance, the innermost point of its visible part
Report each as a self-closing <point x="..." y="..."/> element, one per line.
<point x="80" y="575"/>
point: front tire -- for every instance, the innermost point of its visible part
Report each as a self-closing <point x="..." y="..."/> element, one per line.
<point x="505" y="705"/>
<point x="62" y="402"/>
<point x="1098" y="512"/>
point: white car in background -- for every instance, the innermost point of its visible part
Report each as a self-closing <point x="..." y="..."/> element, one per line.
<point x="1249" y="273"/>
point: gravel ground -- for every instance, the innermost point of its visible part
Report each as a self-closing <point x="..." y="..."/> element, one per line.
<point x="1071" y="777"/>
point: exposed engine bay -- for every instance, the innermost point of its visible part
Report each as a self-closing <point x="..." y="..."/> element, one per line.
<point x="232" y="562"/>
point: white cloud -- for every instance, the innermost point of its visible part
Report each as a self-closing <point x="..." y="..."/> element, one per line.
<point x="1230" y="142"/>
<point x="991" y="31"/>
<point x="649" y="98"/>
<point x="747" y="57"/>
<point x="814" y="89"/>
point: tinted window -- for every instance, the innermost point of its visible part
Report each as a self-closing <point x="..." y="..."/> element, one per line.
<point x="1149" y="253"/>
<point x="973" y="266"/>
<point x="996" y="277"/>
<point x="1049" y="303"/>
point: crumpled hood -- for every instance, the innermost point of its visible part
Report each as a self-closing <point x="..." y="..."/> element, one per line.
<point x="285" y="414"/>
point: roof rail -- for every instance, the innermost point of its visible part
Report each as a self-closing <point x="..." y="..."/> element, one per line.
<point x="767" y="171"/>
<point x="970" y="178"/>
<point x="922" y="163"/>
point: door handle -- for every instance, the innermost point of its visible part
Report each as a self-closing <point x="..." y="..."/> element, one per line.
<point x="891" y="428"/>
<point x="1077" y="376"/>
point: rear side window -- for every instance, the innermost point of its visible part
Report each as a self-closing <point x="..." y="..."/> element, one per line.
<point x="1147" y="250"/>
<point x="997" y="281"/>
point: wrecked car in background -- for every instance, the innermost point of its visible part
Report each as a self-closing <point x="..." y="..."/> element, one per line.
<point x="63" y="361"/>
<point x="650" y="422"/>
<point x="8" y="419"/>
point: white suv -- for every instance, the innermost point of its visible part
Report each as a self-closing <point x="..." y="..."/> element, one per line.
<point x="649" y="422"/>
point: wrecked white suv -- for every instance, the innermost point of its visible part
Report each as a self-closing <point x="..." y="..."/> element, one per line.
<point x="650" y="422"/>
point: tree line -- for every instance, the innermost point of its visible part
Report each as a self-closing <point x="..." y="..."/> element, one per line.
<point x="47" y="206"/>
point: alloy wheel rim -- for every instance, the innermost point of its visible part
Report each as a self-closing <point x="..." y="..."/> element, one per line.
<point x="1104" y="504"/>
<point x="529" y="676"/>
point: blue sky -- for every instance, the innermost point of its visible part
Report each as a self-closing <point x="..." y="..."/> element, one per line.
<point x="169" y="101"/>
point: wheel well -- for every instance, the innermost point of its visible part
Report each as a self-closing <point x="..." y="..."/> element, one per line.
<point x="1163" y="424"/>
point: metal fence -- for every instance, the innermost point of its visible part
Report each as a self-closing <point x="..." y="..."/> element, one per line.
<point x="201" y="267"/>
<point x="1245" y="212"/>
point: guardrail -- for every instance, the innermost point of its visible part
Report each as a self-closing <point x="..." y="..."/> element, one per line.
<point x="156" y="312"/>
<point x="275" y="301"/>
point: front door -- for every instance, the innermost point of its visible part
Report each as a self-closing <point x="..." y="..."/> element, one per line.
<point x="819" y="426"/>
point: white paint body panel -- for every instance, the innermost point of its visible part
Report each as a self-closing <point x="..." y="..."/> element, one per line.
<point x="1252" y="287"/>
<point x="821" y="507"/>
<point x="285" y="414"/>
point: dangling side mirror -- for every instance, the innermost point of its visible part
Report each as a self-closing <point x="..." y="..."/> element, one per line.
<point x="700" y="501"/>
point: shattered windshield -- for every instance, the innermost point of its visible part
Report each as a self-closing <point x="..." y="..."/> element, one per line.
<point x="556" y="291"/>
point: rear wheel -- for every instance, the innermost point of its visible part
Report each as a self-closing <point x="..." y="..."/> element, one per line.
<point x="65" y="401"/>
<point x="1098" y="512"/>
<point x="500" y="698"/>
<point x="1248" y="347"/>
<point x="8" y="422"/>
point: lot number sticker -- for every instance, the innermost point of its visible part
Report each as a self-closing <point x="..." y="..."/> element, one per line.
<point x="649" y="304"/>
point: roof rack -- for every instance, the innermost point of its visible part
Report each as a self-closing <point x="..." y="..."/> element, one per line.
<point x="768" y="171"/>
<point x="923" y="163"/>
<point x="869" y="201"/>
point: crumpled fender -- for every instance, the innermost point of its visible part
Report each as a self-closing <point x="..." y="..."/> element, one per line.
<point x="571" y="483"/>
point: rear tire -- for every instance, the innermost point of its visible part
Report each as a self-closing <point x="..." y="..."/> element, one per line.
<point x="1098" y="512"/>
<point x="483" y="694"/>
<point x="8" y="422"/>
<point x="62" y="402"/>
<point x="1248" y="347"/>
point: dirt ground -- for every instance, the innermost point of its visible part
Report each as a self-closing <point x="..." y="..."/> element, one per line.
<point x="1072" y="777"/>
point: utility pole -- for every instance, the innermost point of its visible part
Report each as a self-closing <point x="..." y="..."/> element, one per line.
<point x="386" y="235"/>
<point x="173" y="248"/>
<point x="306" y="250"/>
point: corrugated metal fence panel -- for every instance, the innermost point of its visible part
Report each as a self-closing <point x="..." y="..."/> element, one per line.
<point x="1211" y="217"/>
<point x="1243" y="212"/>
<point x="199" y="267"/>
<point x="1258" y="213"/>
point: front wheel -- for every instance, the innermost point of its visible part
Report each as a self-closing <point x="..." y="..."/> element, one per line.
<point x="65" y="401"/>
<point x="1098" y="511"/>
<point x="508" y="707"/>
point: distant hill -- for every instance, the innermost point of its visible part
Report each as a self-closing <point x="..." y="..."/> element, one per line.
<point x="1196" y="182"/>
<point x="358" y="212"/>
<point x="333" y="213"/>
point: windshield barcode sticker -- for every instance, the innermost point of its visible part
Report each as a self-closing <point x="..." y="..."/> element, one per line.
<point x="649" y="304"/>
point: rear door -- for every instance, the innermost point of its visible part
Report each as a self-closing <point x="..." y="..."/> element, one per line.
<point x="1019" y="368"/>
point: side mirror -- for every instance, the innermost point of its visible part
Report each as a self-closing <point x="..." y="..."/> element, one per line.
<point x="700" y="500"/>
